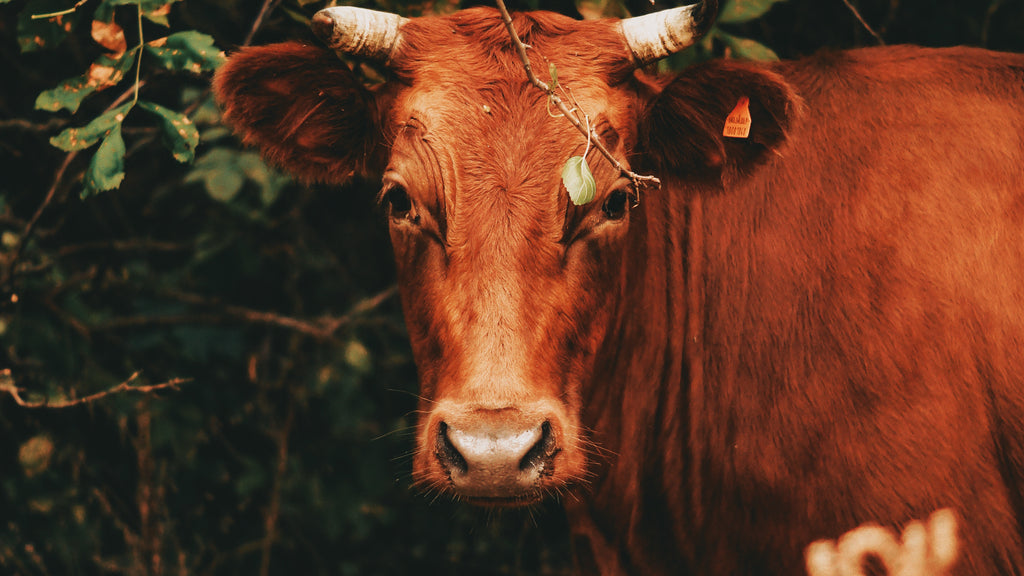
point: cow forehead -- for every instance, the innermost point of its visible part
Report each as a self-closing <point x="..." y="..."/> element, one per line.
<point x="498" y="150"/>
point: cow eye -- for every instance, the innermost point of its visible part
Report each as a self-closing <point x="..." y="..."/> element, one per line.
<point x="397" y="201"/>
<point x="615" y="205"/>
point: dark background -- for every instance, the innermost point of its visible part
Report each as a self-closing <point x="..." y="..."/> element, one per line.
<point x="286" y="451"/>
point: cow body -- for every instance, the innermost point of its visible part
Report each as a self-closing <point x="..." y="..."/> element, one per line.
<point x="834" y="340"/>
<point x="815" y="327"/>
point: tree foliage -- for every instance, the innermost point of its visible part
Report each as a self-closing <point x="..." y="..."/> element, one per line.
<point x="140" y="246"/>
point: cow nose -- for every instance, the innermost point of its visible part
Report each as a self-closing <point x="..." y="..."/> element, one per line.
<point x="494" y="459"/>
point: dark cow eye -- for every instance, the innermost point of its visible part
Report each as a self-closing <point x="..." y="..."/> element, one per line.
<point x="397" y="201"/>
<point x="615" y="205"/>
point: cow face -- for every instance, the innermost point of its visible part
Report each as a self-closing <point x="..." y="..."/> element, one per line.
<point x="509" y="288"/>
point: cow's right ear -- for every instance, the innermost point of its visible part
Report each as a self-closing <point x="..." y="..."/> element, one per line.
<point x="683" y="131"/>
<point x="304" y="109"/>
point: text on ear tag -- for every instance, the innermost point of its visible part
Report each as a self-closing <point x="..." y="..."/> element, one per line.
<point x="737" y="124"/>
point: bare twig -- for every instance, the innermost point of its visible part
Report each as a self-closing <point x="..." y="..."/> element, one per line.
<point x="7" y="385"/>
<point x="267" y="8"/>
<point x="863" y="22"/>
<point x="274" y="507"/>
<point x="61" y="13"/>
<point x="638" y="179"/>
<point x="22" y="124"/>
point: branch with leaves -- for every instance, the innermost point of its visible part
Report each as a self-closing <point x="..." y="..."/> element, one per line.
<point x="574" y="165"/>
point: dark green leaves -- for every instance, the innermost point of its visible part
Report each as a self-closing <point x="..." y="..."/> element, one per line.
<point x="180" y="134"/>
<point x="745" y="47"/>
<point x="739" y="11"/>
<point x="43" y="33"/>
<point x="106" y="71"/>
<point x="186" y="51"/>
<point x="107" y="167"/>
<point x="44" y="23"/>
<point x="153" y="10"/>
<point x="223" y="172"/>
<point x="84" y="137"/>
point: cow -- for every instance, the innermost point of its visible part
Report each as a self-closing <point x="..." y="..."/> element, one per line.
<point x="809" y="327"/>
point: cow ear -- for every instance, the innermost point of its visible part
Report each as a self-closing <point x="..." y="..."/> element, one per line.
<point x="684" y="125"/>
<point x="303" y="108"/>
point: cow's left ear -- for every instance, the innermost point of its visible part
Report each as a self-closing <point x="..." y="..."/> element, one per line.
<point x="683" y="130"/>
<point x="304" y="109"/>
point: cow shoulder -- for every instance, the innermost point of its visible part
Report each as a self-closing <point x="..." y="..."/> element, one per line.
<point x="304" y="109"/>
<point x="683" y="129"/>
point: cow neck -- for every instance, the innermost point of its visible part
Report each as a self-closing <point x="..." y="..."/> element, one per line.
<point x="640" y="404"/>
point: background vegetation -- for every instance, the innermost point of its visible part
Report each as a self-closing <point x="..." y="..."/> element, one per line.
<point x="262" y="312"/>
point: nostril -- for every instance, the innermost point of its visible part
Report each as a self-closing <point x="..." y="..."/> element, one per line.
<point x="446" y="452"/>
<point x="540" y="452"/>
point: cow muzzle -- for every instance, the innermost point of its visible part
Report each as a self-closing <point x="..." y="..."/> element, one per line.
<point x="496" y="457"/>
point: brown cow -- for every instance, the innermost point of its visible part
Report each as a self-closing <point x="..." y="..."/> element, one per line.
<point x="814" y="327"/>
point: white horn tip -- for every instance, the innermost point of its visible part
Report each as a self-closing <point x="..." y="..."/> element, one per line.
<point x="358" y="31"/>
<point x="654" y="36"/>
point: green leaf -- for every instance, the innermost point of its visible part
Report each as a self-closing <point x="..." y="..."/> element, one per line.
<point x="223" y="172"/>
<point x="180" y="134"/>
<point x="37" y="34"/>
<point x="578" y="180"/>
<point x="189" y="51"/>
<point x="746" y="48"/>
<point x="153" y="10"/>
<point x="739" y="11"/>
<point x="270" y="181"/>
<point x="107" y="167"/>
<point x="86" y="136"/>
<point x="35" y="454"/>
<point x="68" y="95"/>
<point x="220" y="174"/>
<point x="358" y="357"/>
<point x="106" y="71"/>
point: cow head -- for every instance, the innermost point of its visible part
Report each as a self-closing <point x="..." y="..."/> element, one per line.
<point x="508" y="288"/>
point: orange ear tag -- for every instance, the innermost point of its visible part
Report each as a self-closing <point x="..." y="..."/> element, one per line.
<point x="737" y="125"/>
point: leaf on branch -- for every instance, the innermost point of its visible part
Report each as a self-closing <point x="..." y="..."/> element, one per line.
<point x="91" y="133"/>
<point x="578" y="180"/>
<point x="189" y="51"/>
<point x="37" y="34"/>
<point x="554" y="75"/>
<point x="155" y="11"/>
<point x="35" y="454"/>
<point x="223" y="172"/>
<point x="106" y="171"/>
<point x="110" y="36"/>
<point x="746" y="48"/>
<point x="104" y="73"/>
<point x="180" y="134"/>
<point x="739" y="11"/>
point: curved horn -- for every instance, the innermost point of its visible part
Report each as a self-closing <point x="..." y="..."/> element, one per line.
<point x="654" y="36"/>
<point x="358" y="31"/>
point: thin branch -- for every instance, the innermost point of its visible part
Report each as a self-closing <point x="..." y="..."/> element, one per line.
<point x="274" y="508"/>
<point x="638" y="180"/>
<point x="22" y="124"/>
<point x="61" y="13"/>
<point x="864" y="23"/>
<point x="8" y="271"/>
<point x="322" y="328"/>
<point x="362" y="307"/>
<point x="267" y="8"/>
<point x="7" y="385"/>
